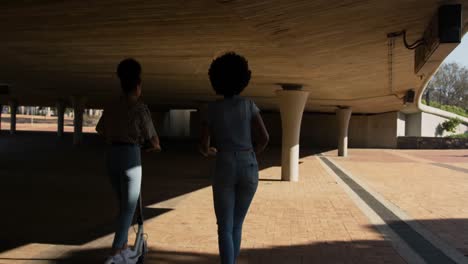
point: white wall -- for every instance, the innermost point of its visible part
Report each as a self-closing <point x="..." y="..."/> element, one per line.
<point x="321" y="130"/>
<point x="173" y="123"/>
<point x="382" y="130"/>
<point x="401" y="125"/>
<point x="425" y="125"/>
<point x="430" y="122"/>
<point x="179" y="123"/>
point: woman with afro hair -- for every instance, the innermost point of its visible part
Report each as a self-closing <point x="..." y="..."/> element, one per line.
<point x="238" y="133"/>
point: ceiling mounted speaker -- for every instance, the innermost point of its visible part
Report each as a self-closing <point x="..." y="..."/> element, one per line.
<point x="409" y="96"/>
<point x="442" y="35"/>
<point x="450" y="23"/>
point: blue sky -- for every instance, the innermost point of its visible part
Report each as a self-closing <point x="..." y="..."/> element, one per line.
<point x="460" y="54"/>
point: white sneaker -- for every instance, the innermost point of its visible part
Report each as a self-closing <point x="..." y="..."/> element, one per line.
<point x="117" y="259"/>
<point x="128" y="252"/>
<point x="130" y="256"/>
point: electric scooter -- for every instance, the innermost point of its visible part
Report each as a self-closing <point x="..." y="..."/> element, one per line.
<point x="140" y="247"/>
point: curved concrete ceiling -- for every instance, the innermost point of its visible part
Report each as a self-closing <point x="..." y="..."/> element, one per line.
<point x="338" y="49"/>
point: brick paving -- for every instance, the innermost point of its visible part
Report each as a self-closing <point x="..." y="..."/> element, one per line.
<point x="432" y="195"/>
<point x="65" y="211"/>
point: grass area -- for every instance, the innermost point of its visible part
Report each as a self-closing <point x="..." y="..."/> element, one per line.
<point x="449" y="108"/>
<point x="458" y="136"/>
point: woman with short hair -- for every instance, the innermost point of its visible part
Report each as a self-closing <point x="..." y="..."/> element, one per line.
<point x="126" y="125"/>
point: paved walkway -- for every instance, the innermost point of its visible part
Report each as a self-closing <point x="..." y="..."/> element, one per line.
<point x="63" y="213"/>
<point x="41" y="123"/>
<point x="428" y="185"/>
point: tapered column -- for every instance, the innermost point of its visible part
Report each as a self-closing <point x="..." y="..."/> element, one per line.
<point x="292" y="103"/>
<point x="343" y="115"/>
<point x="48" y="112"/>
<point x="60" y="117"/>
<point x="13" y="112"/>
<point x="78" y="108"/>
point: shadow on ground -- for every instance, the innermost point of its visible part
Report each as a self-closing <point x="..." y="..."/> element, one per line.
<point x="53" y="192"/>
<point x="362" y="252"/>
<point x="56" y="193"/>
<point x="355" y="251"/>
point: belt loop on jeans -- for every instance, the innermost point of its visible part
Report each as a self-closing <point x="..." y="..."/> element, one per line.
<point x="121" y="143"/>
<point x="235" y="151"/>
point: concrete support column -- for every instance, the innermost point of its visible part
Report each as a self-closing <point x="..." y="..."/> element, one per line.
<point x="47" y="112"/>
<point x="60" y="117"/>
<point x="78" y="108"/>
<point x="292" y="103"/>
<point x="13" y="112"/>
<point x="343" y="115"/>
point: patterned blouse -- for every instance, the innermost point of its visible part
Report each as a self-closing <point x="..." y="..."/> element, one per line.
<point x="126" y="122"/>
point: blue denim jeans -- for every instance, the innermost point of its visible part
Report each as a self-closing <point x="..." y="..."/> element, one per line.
<point x="234" y="185"/>
<point x="124" y="168"/>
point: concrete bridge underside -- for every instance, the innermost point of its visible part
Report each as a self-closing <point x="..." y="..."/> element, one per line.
<point x="64" y="53"/>
<point x="338" y="50"/>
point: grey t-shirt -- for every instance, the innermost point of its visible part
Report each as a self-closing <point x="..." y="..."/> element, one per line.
<point x="229" y="121"/>
<point x="126" y="122"/>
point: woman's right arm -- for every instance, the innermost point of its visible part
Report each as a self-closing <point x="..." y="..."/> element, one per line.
<point x="149" y="132"/>
<point x="205" y="134"/>
<point x="204" y="140"/>
<point x="154" y="144"/>
<point x="260" y="133"/>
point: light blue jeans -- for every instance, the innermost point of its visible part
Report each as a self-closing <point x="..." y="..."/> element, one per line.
<point x="234" y="185"/>
<point x="124" y="167"/>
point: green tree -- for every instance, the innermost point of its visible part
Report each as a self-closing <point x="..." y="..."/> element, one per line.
<point x="451" y="125"/>
<point x="449" y="86"/>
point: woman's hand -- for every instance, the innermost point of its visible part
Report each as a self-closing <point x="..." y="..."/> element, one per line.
<point x="204" y="146"/>
<point x="152" y="145"/>
<point x="156" y="148"/>
<point x="212" y="151"/>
